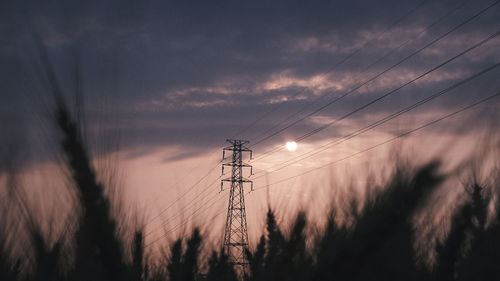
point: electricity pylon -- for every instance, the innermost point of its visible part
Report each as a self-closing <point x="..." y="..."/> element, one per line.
<point x="235" y="234"/>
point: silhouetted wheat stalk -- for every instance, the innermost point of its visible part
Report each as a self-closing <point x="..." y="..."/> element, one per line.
<point x="378" y="243"/>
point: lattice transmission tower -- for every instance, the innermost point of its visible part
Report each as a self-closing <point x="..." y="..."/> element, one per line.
<point x="235" y="234"/>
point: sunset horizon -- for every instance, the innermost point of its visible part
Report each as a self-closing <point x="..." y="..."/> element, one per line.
<point x="303" y="112"/>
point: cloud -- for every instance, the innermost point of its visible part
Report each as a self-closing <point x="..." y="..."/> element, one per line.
<point x="184" y="74"/>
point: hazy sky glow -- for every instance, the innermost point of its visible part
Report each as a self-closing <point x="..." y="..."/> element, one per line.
<point x="165" y="84"/>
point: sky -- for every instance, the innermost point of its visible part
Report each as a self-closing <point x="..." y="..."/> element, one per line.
<point x="165" y="83"/>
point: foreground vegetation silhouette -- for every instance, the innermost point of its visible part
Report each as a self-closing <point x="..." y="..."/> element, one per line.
<point x="374" y="239"/>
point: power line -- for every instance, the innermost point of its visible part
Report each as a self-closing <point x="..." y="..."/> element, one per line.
<point x="378" y="75"/>
<point x="317" y="130"/>
<point x="387" y="141"/>
<point x="184" y="194"/>
<point x="339" y="63"/>
<point x="179" y="212"/>
<point x="365" y="68"/>
<point x="369" y="66"/>
<point x="342" y="61"/>
<point x="194" y="185"/>
<point x="192" y="202"/>
<point x="183" y="223"/>
<point x="321" y="128"/>
<point x="381" y="121"/>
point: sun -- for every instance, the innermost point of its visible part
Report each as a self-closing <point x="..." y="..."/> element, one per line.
<point x="291" y="145"/>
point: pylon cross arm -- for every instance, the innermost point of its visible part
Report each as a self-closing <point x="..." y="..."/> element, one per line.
<point x="237" y="165"/>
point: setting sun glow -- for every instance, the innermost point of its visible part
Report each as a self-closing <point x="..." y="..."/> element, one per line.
<point x="291" y="145"/>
